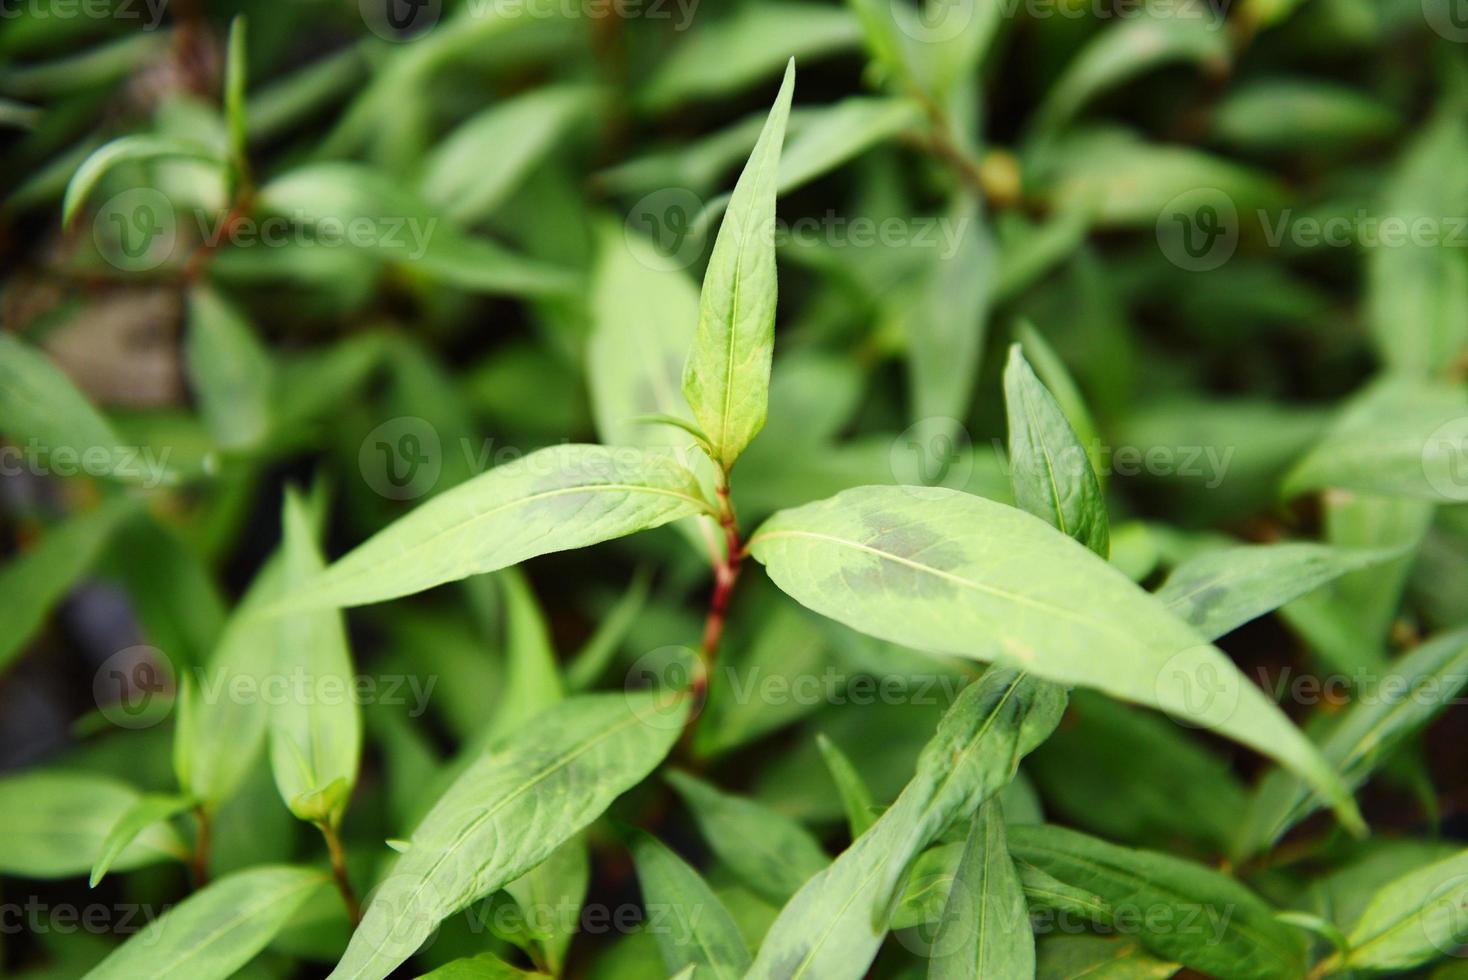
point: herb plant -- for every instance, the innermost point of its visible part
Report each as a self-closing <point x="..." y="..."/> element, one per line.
<point x="1078" y="588"/>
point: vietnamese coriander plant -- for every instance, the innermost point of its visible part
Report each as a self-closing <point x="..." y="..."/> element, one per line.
<point x="1045" y="774"/>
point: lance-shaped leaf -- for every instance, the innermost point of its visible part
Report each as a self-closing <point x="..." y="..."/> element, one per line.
<point x="145" y="813"/>
<point x="508" y="812"/>
<point x="55" y="824"/>
<point x="485" y="966"/>
<point x="41" y="408"/>
<point x="1050" y="470"/>
<point x="1388" y="709"/>
<point x="727" y="377"/>
<point x="550" y="896"/>
<point x="856" y="798"/>
<point x="707" y="938"/>
<point x="229" y="370"/>
<point x="35" y="581"/>
<point x="1396" y="438"/>
<point x="948" y="572"/>
<point x="771" y="853"/>
<point x="1412" y="920"/>
<point x="1090" y="957"/>
<point x="985" y="927"/>
<point x="316" y="731"/>
<point x="125" y="150"/>
<point x="555" y="499"/>
<point x="1218" y="591"/>
<point x="1195" y="915"/>
<point x="214" y="932"/>
<point x="834" y="925"/>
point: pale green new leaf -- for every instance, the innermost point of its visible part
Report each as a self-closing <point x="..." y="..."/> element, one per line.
<point x="727" y="376"/>
<point x="230" y="372"/>
<point x="508" y="812"/>
<point x="985" y="928"/>
<point x="834" y="926"/>
<point x="1389" y="708"/>
<point x="146" y="812"/>
<point x="217" y="930"/>
<point x="55" y="824"/>
<point x="1413" y="920"/>
<point x="555" y="499"/>
<point x="316" y="731"/>
<point x="1050" y="470"/>
<point x="41" y="408"/>
<point x="128" y="149"/>
<point x="1090" y="957"/>
<point x="34" y="581"/>
<point x="1197" y="916"/>
<point x="771" y="853"/>
<point x="948" y="572"/>
<point x="485" y="966"/>
<point x="707" y="938"/>
<point x="550" y="897"/>
<point x="1218" y="591"/>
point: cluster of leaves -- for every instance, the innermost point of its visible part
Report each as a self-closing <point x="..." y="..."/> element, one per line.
<point x="1056" y="781"/>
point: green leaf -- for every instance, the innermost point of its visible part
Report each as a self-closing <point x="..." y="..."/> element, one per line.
<point x="32" y="583"/>
<point x="1219" y="591"/>
<point x="217" y="930"/>
<point x="1389" y="708"/>
<point x="507" y="813"/>
<point x="1288" y="114"/>
<point x="831" y="136"/>
<point x="485" y="966"/>
<point x="1090" y="957"/>
<point x="1413" y="920"/>
<point x="229" y="370"/>
<point x="985" y="927"/>
<point x="235" y="79"/>
<point x="835" y="924"/>
<point x="727" y="377"/>
<point x="128" y="149"/>
<point x="532" y="676"/>
<point x="554" y="499"/>
<point x="55" y="824"/>
<point x="475" y="168"/>
<point x="771" y="853"/>
<point x="1194" y="915"/>
<point x="1050" y="470"/>
<point x="316" y="731"/>
<point x="1127" y="49"/>
<point x="39" y="405"/>
<point x="856" y="799"/>
<point x="1057" y="380"/>
<point x="706" y="937"/>
<point x="1397" y="438"/>
<point x="145" y="813"/>
<point x="550" y="897"/>
<point x="947" y="572"/>
<point x="754" y="42"/>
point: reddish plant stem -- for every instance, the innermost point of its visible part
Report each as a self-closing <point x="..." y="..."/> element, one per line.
<point x="339" y="872"/>
<point x="200" y="863"/>
<point x="726" y="574"/>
